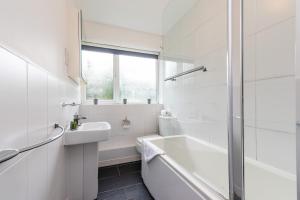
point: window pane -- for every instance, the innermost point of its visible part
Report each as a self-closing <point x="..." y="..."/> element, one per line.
<point x="137" y="79"/>
<point x="97" y="68"/>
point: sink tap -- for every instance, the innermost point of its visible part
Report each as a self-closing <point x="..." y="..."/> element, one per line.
<point x="77" y="118"/>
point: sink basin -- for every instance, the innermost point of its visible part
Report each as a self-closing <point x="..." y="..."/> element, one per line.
<point x="88" y="133"/>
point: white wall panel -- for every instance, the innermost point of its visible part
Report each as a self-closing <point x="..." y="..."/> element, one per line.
<point x="277" y="149"/>
<point x="54" y="100"/>
<point x="269" y="12"/>
<point x="57" y="170"/>
<point x="37" y="174"/>
<point x="14" y="181"/>
<point x="275" y="49"/>
<point x="13" y="106"/>
<point x="275" y="104"/>
<point x="37" y="105"/>
<point x="34" y="106"/>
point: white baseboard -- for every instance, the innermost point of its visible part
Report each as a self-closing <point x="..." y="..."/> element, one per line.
<point x="116" y="161"/>
<point x="118" y="156"/>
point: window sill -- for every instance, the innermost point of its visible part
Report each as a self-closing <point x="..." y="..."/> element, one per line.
<point x="118" y="104"/>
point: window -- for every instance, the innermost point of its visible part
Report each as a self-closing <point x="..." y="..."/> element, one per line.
<point x="113" y="75"/>
<point x="137" y="78"/>
<point x="97" y="69"/>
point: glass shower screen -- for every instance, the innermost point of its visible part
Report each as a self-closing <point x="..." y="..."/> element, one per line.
<point x="251" y="104"/>
<point x="195" y="36"/>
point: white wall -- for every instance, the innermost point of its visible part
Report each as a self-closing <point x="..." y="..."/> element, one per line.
<point x="117" y="36"/>
<point x="199" y="100"/>
<point x="270" y="93"/>
<point x="33" y="84"/>
<point x="121" y="144"/>
<point x="143" y="117"/>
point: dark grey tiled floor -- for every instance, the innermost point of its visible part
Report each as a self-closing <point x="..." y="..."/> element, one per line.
<point x="122" y="182"/>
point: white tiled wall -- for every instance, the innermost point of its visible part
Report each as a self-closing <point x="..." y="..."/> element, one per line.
<point x="13" y="101"/>
<point x="270" y="100"/>
<point x="37" y="104"/>
<point x="199" y="100"/>
<point x="31" y="103"/>
<point x="144" y="118"/>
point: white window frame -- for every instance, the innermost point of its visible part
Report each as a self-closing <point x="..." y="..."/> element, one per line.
<point x="116" y="80"/>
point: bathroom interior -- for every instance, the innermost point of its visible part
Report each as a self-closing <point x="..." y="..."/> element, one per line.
<point x="149" y="100"/>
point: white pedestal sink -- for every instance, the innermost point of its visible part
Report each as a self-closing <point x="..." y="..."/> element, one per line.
<point x="88" y="133"/>
<point x="82" y="149"/>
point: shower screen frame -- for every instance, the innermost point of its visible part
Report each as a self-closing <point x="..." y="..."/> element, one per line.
<point x="297" y="72"/>
<point x="235" y="90"/>
<point x="235" y="84"/>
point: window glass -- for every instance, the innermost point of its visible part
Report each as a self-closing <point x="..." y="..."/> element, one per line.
<point x="97" y="69"/>
<point x="137" y="79"/>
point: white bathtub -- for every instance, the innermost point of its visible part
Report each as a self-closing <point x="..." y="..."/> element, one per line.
<point x="195" y="170"/>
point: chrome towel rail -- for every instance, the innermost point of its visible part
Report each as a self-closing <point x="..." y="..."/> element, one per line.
<point x="173" y="78"/>
<point x="8" y="154"/>
<point x="70" y="104"/>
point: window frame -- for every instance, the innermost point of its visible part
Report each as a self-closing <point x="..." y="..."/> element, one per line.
<point x="117" y="52"/>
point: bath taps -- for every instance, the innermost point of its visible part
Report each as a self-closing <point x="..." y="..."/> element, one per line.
<point x="77" y="118"/>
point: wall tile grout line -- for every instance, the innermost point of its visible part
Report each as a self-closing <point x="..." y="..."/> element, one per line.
<point x="272" y="130"/>
<point x="270" y="26"/>
<point x="270" y="78"/>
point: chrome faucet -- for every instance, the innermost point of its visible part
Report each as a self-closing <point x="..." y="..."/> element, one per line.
<point x="77" y="118"/>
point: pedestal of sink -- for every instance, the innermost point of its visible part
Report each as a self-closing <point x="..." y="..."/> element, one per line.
<point x="82" y="148"/>
<point x="82" y="171"/>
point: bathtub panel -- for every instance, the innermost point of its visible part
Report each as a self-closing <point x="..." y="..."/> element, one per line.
<point x="165" y="184"/>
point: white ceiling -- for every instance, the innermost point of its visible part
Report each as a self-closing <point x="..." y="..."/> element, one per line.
<point x="141" y="15"/>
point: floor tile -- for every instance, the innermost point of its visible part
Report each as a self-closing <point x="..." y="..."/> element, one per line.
<point x="137" y="192"/>
<point x="119" y="182"/>
<point x="108" y="172"/>
<point x="130" y="168"/>
<point x="122" y="182"/>
<point x="112" y="195"/>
